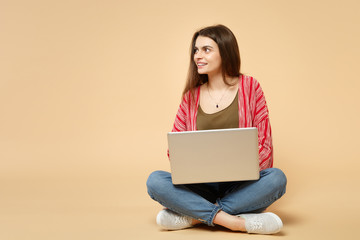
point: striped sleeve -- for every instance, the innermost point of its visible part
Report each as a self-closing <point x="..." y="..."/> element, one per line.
<point x="181" y="116"/>
<point x="182" y="113"/>
<point x="262" y="123"/>
<point x="265" y="144"/>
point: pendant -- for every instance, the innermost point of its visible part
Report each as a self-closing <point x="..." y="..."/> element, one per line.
<point x="217" y="106"/>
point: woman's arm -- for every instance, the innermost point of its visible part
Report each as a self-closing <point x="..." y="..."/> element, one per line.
<point x="265" y="144"/>
<point x="262" y="123"/>
<point x="180" y="118"/>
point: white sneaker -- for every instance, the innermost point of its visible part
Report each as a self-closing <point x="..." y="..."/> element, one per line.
<point x="170" y="220"/>
<point x="262" y="223"/>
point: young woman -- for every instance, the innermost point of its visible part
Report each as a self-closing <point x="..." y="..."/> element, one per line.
<point x="218" y="96"/>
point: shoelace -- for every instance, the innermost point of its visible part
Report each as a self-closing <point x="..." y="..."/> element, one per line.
<point x="181" y="220"/>
<point x="256" y="224"/>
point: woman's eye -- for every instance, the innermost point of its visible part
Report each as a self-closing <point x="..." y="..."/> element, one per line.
<point x="207" y="49"/>
<point x="196" y="50"/>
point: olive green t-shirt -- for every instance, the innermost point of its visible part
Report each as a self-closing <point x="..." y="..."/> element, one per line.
<point x="226" y="118"/>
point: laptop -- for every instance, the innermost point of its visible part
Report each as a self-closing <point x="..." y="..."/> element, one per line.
<point x="220" y="155"/>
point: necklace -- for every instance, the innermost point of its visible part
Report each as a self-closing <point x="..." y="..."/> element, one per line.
<point x="216" y="103"/>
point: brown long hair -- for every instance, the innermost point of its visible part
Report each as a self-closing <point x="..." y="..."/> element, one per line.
<point x="229" y="53"/>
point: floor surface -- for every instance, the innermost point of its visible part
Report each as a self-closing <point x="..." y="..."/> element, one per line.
<point x="106" y="207"/>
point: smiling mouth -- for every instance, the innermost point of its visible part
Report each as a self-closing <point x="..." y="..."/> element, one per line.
<point x="201" y="64"/>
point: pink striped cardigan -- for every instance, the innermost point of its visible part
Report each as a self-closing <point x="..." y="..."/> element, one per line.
<point x="252" y="112"/>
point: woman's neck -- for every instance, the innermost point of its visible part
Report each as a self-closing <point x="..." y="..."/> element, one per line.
<point x="217" y="82"/>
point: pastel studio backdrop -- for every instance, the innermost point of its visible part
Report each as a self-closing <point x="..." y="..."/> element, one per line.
<point x="89" y="89"/>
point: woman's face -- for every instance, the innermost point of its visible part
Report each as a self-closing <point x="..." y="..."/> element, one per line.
<point x="207" y="56"/>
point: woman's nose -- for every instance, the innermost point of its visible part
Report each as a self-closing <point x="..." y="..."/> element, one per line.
<point x="198" y="54"/>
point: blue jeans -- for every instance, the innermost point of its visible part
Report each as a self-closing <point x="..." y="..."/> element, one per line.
<point x="203" y="201"/>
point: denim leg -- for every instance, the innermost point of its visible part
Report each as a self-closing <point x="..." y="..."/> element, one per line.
<point x="254" y="196"/>
<point x="180" y="198"/>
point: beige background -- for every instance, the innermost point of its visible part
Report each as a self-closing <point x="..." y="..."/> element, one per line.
<point x="89" y="89"/>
